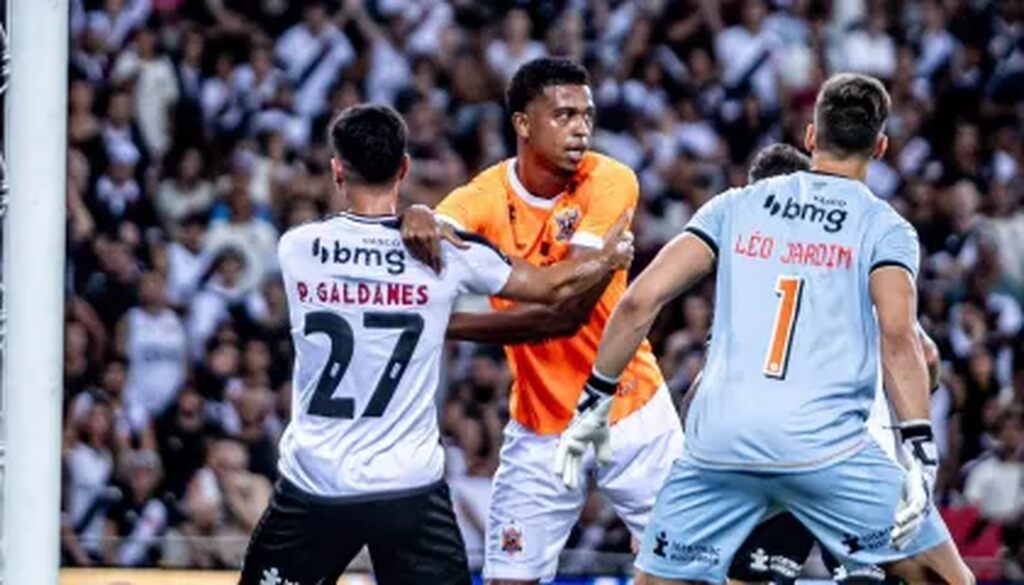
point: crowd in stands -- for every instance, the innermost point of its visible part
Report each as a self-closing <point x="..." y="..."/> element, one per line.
<point x="196" y="137"/>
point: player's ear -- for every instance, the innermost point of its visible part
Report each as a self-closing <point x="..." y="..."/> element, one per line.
<point x="338" y="171"/>
<point x="403" y="169"/>
<point x="521" y="124"/>
<point x="809" y="138"/>
<point x="881" y="145"/>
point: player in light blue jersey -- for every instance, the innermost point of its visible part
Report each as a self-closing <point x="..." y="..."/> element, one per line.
<point x="815" y="285"/>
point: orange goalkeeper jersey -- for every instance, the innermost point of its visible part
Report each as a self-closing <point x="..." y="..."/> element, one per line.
<point x="549" y="376"/>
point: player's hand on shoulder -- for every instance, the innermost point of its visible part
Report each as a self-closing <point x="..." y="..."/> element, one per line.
<point x="422" y="234"/>
<point x="589" y="426"/>
<point x="618" y="242"/>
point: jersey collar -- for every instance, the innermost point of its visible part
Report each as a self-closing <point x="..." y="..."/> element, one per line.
<point x="529" y="198"/>
<point x="368" y="219"/>
<point x="828" y="174"/>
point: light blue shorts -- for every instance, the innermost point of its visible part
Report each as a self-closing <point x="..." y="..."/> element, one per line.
<point x="702" y="516"/>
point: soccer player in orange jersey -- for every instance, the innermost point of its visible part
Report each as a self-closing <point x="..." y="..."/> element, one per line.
<point x="554" y="200"/>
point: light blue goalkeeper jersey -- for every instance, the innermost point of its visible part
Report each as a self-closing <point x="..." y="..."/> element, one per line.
<point x="793" y="368"/>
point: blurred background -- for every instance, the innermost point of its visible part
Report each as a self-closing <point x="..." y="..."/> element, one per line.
<point x="197" y="136"/>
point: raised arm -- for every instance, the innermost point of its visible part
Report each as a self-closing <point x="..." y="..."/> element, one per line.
<point x="677" y="266"/>
<point x="523" y="323"/>
<point x="529" y="322"/>
<point x="574" y="276"/>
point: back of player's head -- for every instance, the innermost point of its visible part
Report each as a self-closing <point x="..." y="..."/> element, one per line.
<point x="369" y="141"/>
<point x="530" y="80"/>
<point x="849" y="115"/>
<point x="777" y="159"/>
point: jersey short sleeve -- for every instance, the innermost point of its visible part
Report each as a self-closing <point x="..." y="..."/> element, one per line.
<point x="616" y="191"/>
<point x="464" y="208"/>
<point x="483" y="269"/>
<point x="896" y="243"/>
<point x="288" y="246"/>
<point x="707" y="224"/>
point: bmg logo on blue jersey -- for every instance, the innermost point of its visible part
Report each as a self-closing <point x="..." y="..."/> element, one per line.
<point x="831" y="219"/>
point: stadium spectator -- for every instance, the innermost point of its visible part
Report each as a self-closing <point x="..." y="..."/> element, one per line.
<point x="136" y="522"/>
<point x="185" y="192"/>
<point x="224" y="500"/>
<point x="89" y="461"/>
<point x="995" y="484"/>
<point x="151" y="77"/>
<point x="152" y="337"/>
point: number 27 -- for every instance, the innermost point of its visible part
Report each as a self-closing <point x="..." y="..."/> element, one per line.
<point x="338" y="330"/>
<point x="789" y="289"/>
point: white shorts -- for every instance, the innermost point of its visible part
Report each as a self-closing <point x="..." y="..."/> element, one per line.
<point x="532" y="512"/>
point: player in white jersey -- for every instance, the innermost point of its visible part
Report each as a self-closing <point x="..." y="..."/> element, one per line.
<point x="815" y="297"/>
<point x="361" y="460"/>
<point x="152" y="337"/>
<point x="779" y="546"/>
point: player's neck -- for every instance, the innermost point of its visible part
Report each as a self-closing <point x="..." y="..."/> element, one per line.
<point x="539" y="179"/>
<point x="852" y="168"/>
<point x="372" y="203"/>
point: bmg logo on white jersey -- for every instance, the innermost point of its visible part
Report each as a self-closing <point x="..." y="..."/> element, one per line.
<point x="831" y="219"/>
<point x="393" y="259"/>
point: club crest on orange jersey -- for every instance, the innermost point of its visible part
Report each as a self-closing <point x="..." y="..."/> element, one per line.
<point x="566" y="221"/>
<point x="511" y="540"/>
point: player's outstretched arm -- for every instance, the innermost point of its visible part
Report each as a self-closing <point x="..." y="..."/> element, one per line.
<point x="677" y="266"/>
<point x="574" y="276"/>
<point x="529" y="322"/>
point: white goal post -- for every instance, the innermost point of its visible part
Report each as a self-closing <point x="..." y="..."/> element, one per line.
<point x="35" y="130"/>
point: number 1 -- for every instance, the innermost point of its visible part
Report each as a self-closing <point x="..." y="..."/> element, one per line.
<point x="789" y="288"/>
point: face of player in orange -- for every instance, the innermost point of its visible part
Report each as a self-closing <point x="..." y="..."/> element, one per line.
<point x="557" y="125"/>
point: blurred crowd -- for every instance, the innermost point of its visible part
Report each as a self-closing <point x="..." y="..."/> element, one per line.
<point x="196" y="137"/>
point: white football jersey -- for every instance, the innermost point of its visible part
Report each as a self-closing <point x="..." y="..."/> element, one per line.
<point x="156" y="347"/>
<point x="368" y="323"/>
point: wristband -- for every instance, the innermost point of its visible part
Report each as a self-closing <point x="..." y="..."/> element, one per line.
<point x="602" y="383"/>
<point x="918" y="435"/>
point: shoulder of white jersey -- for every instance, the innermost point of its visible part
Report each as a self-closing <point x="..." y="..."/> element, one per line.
<point x="295" y="234"/>
<point x="477" y="245"/>
<point x="735" y="195"/>
<point x="884" y="216"/>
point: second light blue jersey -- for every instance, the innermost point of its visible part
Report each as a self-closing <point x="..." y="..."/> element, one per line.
<point x="793" y="370"/>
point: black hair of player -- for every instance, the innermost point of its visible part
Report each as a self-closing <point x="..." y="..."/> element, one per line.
<point x="777" y="159"/>
<point x="369" y="140"/>
<point x="530" y="80"/>
<point x="849" y="115"/>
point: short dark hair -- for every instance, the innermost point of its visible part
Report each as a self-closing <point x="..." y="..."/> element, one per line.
<point x="369" y="140"/>
<point x="530" y="80"/>
<point x="777" y="159"/>
<point x="849" y="114"/>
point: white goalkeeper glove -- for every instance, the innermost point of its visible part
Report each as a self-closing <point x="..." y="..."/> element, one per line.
<point x="588" y="426"/>
<point x="919" y="482"/>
